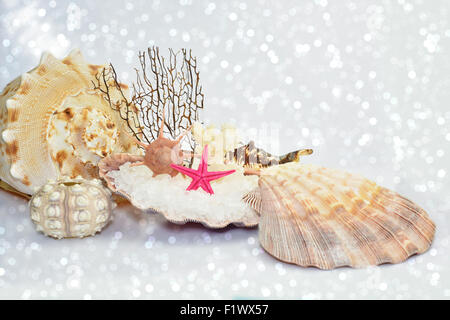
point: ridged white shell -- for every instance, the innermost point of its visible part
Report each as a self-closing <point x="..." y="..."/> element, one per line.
<point x="71" y="208"/>
<point x="52" y="124"/>
<point x="315" y="216"/>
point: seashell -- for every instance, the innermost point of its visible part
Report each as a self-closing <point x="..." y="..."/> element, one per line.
<point x="113" y="163"/>
<point x="219" y="141"/>
<point x="65" y="213"/>
<point x="315" y="216"/>
<point x="53" y="124"/>
<point x="252" y="157"/>
<point x="168" y="196"/>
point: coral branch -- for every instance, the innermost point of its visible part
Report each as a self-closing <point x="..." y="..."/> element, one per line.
<point x="166" y="89"/>
<point x="114" y="93"/>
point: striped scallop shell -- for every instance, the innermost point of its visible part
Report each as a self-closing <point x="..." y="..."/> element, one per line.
<point x="315" y="216"/>
<point x="53" y="124"/>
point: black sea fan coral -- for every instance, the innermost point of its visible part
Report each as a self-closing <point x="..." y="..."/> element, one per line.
<point x="166" y="89"/>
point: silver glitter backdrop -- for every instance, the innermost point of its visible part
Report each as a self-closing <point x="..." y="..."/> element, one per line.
<point x="364" y="83"/>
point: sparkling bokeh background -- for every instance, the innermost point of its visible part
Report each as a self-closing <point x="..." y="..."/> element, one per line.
<point x="363" y="83"/>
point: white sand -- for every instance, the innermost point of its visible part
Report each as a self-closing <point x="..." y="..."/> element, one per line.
<point x="169" y="196"/>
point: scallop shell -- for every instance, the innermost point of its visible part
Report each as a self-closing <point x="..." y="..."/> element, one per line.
<point x="168" y="196"/>
<point x="53" y="124"/>
<point x="315" y="216"/>
<point x="71" y="208"/>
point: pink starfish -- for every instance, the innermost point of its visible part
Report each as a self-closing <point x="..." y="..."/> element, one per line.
<point x="201" y="177"/>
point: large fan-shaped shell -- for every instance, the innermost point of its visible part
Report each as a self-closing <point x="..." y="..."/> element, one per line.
<point x="52" y="124"/>
<point x="315" y="216"/>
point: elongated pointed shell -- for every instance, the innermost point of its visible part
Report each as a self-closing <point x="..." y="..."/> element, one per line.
<point x="52" y="124"/>
<point x="314" y="216"/>
<point x="250" y="156"/>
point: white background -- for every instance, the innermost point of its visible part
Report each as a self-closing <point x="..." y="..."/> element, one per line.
<point x="364" y="83"/>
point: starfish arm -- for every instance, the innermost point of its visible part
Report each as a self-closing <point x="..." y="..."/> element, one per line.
<point x="201" y="177"/>
<point x="195" y="183"/>
<point x="187" y="171"/>
<point x="200" y="168"/>
<point x="205" y="153"/>
<point x="207" y="187"/>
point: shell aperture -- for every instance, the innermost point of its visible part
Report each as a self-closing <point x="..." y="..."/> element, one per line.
<point x="315" y="216"/>
<point x="53" y="124"/>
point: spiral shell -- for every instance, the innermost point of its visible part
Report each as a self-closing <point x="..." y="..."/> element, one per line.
<point x="249" y="156"/>
<point x="315" y="216"/>
<point x="53" y="124"/>
<point x="71" y="208"/>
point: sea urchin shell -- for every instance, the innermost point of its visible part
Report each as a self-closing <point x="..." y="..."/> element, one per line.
<point x="71" y="208"/>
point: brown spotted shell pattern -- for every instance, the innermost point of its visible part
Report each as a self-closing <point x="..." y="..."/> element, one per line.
<point x="326" y="218"/>
<point x="53" y="124"/>
<point x="70" y="208"/>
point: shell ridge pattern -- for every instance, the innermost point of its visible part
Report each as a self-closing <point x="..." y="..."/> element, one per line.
<point x="376" y="202"/>
<point x="316" y="222"/>
<point x="419" y="213"/>
<point x="362" y="212"/>
<point x="331" y="238"/>
<point x="367" y="233"/>
<point x="253" y="198"/>
<point x="345" y="219"/>
<point x="307" y="189"/>
<point x="315" y="258"/>
<point x="348" y="223"/>
<point x="408" y="220"/>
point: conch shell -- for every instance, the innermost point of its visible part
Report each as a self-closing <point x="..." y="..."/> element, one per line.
<point x="53" y="124"/>
<point x="315" y="216"/>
